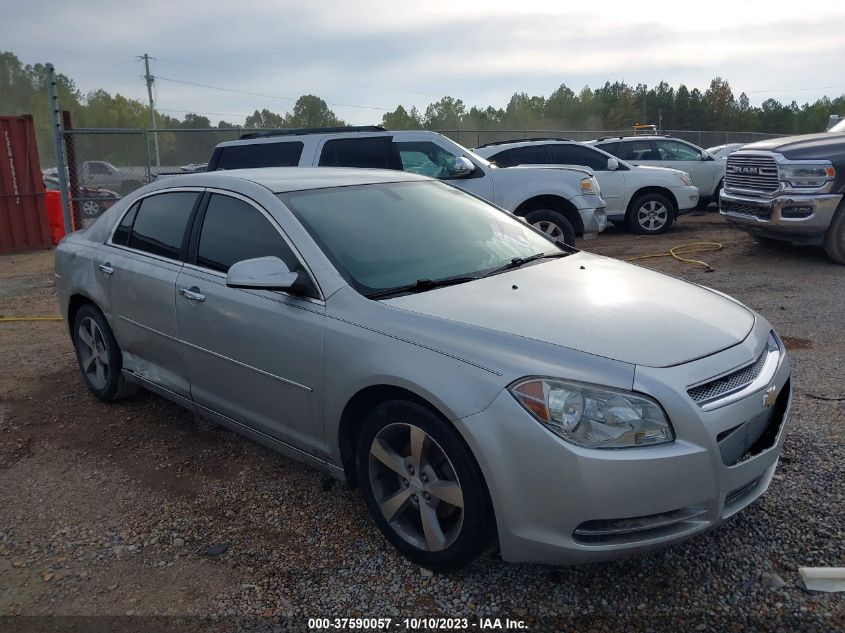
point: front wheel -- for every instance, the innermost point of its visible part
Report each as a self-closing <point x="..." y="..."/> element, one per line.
<point x="554" y="224"/>
<point x="651" y="214"/>
<point x="834" y="237"/>
<point x="422" y="487"/>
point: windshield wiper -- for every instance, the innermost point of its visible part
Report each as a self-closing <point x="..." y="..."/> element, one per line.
<point x="420" y="285"/>
<point x="516" y="262"/>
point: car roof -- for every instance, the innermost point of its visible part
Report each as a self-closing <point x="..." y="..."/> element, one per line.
<point x="284" y="179"/>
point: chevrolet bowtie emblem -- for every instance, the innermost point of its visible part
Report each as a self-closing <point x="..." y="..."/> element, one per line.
<point x="770" y="396"/>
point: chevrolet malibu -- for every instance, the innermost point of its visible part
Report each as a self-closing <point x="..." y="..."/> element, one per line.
<point x="481" y="383"/>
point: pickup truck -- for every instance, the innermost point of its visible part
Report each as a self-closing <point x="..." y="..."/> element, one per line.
<point x="790" y="189"/>
<point x="101" y="174"/>
<point x="563" y="202"/>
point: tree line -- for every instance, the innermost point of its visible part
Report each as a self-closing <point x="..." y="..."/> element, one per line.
<point x="614" y="106"/>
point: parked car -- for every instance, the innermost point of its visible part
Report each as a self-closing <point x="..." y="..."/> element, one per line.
<point x="707" y="173"/>
<point x="791" y="189"/>
<point x="723" y="151"/>
<point x="647" y="199"/>
<point x="564" y="202"/>
<point x="92" y="202"/>
<point x="477" y="380"/>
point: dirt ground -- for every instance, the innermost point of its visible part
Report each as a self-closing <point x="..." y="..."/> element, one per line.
<point x="110" y="509"/>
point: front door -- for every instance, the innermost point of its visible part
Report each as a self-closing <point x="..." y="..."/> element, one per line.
<point x="254" y="356"/>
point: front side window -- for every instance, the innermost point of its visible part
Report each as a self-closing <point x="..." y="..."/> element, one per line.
<point x="636" y="150"/>
<point x="260" y="155"/>
<point x="673" y="150"/>
<point x="426" y="158"/>
<point x="578" y="155"/>
<point x="233" y="231"/>
<point x="160" y="222"/>
<point x="386" y="236"/>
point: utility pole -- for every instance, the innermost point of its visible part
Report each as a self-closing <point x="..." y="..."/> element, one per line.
<point x="150" y="79"/>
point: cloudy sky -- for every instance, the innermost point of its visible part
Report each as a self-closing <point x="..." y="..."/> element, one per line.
<point x="367" y="56"/>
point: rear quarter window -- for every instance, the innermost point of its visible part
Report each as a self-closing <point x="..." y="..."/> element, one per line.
<point x="260" y="155"/>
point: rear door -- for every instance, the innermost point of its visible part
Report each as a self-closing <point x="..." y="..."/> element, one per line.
<point x="254" y="356"/>
<point x="139" y="268"/>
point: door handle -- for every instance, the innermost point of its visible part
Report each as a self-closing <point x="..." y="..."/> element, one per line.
<point x="191" y="295"/>
<point x="106" y="269"/>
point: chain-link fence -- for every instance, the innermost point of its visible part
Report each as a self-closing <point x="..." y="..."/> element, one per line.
<point x="105" y="164"/>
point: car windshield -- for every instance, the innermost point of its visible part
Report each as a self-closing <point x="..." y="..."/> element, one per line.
<point x="386" y="236"/>
<point x="839" y="127"/>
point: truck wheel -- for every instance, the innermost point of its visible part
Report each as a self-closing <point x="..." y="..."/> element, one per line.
<point x="834" y="238"/>
<point x="650" y="214"/>
<point x="552" y="223"/>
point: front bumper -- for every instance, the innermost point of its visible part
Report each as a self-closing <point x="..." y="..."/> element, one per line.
<point x="686" y="197"/>
<point x="593" y="216"/>
<point x="770" y="216"/>
<point x="560" y="503"/>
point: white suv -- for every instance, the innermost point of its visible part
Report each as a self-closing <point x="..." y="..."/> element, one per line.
<point x="707" y="173"/>
<point x="563" y="202"/>
<point x="648" y="199"/>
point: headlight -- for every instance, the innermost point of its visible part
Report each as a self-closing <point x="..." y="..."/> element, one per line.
<point x="806" y="174"/>
<point x="589" y="186"/>
<point x="592" y="416"/>
<point x="684" y="176"/>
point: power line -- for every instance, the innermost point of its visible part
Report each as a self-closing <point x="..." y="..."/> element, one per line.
<point x="267" y="96"/>
<point x="243" y="116"/>
<point x="796" y="89"/>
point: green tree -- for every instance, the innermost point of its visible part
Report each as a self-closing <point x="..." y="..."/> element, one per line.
<point x="311" y="111"/>
<point x="446" y="114"/>
<point x="401" y="119"/>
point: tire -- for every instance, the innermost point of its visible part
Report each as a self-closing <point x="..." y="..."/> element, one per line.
<point x="91" y="208"/>
<point x="717" y="195"/>
<point x="101" y="370"/>
<point x="834" y="237"/>
<point x="650" y="214"/>
<point x="460" y="529"/>
<point x="553" y="223"/>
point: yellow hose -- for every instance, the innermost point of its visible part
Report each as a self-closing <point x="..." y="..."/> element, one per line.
<point x="685" y="249"/>
<point x="14" y="319"/>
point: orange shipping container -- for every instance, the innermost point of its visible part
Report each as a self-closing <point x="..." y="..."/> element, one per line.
<point x="23" y="210"/>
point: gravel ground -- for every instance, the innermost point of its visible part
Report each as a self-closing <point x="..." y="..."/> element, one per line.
<point x="139" y="509"/>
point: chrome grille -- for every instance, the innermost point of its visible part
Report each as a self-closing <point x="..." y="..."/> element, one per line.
<point x="728" y="383"/>
<point x="751" y="172"/>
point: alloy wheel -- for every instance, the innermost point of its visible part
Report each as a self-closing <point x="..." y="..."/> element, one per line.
<point x="415" y="487"/>
<point x="652" y="215"/>
<point x="550" y="228"/>
<point x="90" y="208"/>
<point x="93" y="353"/>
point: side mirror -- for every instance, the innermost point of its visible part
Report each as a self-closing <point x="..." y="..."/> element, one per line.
<point x="612" y="164"/>
<point x="462" y="166"/>
<point x="262" y="273"/>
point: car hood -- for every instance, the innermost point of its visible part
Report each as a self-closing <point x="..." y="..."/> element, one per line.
<point x="662" y="170"/>
<point x="806" y="146"/>
<point x="579" y="168"/>
<point x="595" y="305"/>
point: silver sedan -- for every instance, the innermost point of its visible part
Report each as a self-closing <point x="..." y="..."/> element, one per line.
<point x="478" y="381"/>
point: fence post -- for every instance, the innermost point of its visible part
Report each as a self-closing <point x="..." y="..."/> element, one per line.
<point x="147" y="168"/>
<point x="58" y="138"/>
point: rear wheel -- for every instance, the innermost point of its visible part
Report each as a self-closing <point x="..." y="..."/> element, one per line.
<point x="91" y="208"/>
<point x="423" y="487"/>
<point x="651" y="214"/>
<point x="552" y="223"/>
<point x="98" y="355"/>
<point x="834" y="238"/>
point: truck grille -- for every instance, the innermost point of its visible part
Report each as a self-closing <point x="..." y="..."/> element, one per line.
<point x="746" y="208"/>
<point x="751" y="172"/>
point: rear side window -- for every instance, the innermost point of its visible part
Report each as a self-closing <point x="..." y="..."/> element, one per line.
<point x="160" y="222"/>
<point x="636" y="150"/>
<point x="578" y="155"/>
<point x="233" y="231"/>
<point x="260" y="155"/>
<point x="611" y="148"/>
<point x="528" y="155"/>
<point x="372" y="152"/>
<point x="121" y="233"/>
